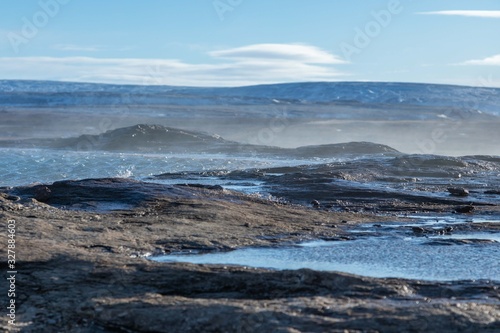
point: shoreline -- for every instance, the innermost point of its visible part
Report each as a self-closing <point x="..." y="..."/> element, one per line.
<point x="83" y="271"/>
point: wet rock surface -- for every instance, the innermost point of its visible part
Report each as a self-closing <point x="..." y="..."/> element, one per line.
<point x="458" y="191"/>
<point x="83" y="270"/>
<point x="376" y="184"/>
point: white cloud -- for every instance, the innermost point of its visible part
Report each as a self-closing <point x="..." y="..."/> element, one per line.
<point x="467" y="13"/>
<point x="269" y="52"/>
<point x="490" y="61"/>
<point x="254" y="64"/>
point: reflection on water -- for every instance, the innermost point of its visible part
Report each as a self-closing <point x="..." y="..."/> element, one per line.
<point x="400" y="257"/>
<point x="476" y="235"/>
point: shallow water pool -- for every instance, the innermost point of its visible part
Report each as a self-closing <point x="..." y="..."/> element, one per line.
<point x="399" y="257"/>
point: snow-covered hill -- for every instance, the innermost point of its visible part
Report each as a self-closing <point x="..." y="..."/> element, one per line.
<point x="50" y="93"/>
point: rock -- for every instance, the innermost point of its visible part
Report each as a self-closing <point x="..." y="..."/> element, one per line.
<point x="315" y="203"/>
<point x="418" y="230"/>
<point x="464" y="209"/>
<point x="208" y="187"/>
<point x="107" y="192"/>
<point x="9" y="197"/>
<point x="216" y="188"/>
<point x="42" y="193"/>
<point x="77" y="273"/>
<point x="458" y="191"/>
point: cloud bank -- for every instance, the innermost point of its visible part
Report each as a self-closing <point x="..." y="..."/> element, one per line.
<point x="252" y="64"/>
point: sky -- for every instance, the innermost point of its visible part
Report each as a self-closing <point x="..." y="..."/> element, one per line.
<point x="247" y="42"/>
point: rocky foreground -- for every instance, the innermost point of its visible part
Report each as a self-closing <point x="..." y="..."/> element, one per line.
<point x="82" y="267"/>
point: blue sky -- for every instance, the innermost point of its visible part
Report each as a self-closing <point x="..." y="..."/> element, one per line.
<point x="243" y="42"/>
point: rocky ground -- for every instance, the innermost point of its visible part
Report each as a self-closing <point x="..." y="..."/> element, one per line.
<point x="82" y="267"/>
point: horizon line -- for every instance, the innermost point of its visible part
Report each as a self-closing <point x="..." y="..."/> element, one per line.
<point x="251" y="85"/>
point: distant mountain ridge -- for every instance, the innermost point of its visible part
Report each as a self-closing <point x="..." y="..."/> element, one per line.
<point x="162" y="139"/>
<point x="53" y="93"/>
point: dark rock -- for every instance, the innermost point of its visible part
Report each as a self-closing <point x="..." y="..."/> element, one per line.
<point x="12" y="197"/>
<point x="444" y="231"/>
<point x="208" y="187"/>
<point x="144" y="137"/>
<point x="329" y="150"/>
<point x="464" y="209"/>
<point x="458" y="191"/>
<point x="315" y="203"/>
<point x="418" y="230"/>
<point x="42" y="193"/>
<point x="97" y="194"/>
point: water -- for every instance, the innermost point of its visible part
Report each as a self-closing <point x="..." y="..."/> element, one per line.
<point x="383" y="257"/>
<point x="357" y="180"/>
<point x="357" y="176"/>
<point x="25" y="166"/>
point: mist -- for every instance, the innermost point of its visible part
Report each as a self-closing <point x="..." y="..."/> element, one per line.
<point x="412" y="118"/>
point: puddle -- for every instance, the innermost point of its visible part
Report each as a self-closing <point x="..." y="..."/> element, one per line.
<point x="474" y="235"/>
<point x="383" y="250"/>
<point x="398" y="257"/>
<point x="452" y="219"/>
<point x="97" y="206"/>
<point x="421" y="221"/>
<point x="243" y="186"/>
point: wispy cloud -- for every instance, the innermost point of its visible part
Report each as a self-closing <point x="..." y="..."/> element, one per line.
<point x="490" y="61"/>
<point x="253" y="64"/>
<point x="467" y="13"/>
